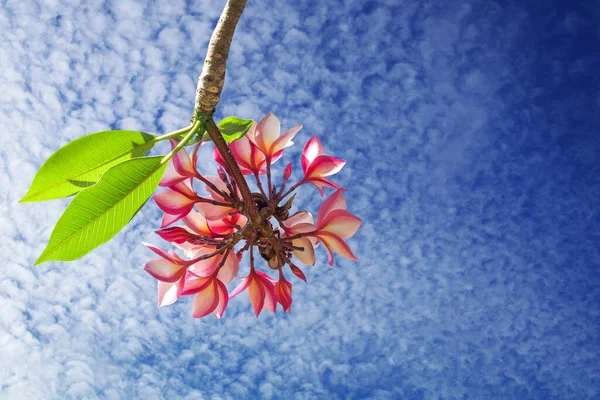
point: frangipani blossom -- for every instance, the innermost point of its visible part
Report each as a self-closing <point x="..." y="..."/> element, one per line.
<point x="266" y="136"/>
<point x="216" y="229"/>
<point x="261" y="291"/>
<point x="210" y="294"/>
<point x="316" y="165"/>
<point x="248" y="157"/>
<point x="301" y="222"/>
<point x="334" y="224"/>
<point x="228" y="265"/>
<point x="169" y="268"/>
<point x="180" y="167"/>
<point x="212" y="211"/>
<point x="177" y="201"/>
<point x="283" y="293"/>
<point x="196" y="223"/>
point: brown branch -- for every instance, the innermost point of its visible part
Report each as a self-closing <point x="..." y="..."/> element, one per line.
<point x="234" y="171"/>
<point x="212" y="78"/>
<point x="208" y="92"/>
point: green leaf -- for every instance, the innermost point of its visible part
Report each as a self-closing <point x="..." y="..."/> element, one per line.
<point x="99" y="212"/>
<point x="80" y="163"/>
<point x="233" y="128"/>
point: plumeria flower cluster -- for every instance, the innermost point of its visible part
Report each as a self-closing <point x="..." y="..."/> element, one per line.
<point x="217" y="229"/>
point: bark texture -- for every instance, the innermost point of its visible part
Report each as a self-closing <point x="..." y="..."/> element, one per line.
<point x="212" y="78"/>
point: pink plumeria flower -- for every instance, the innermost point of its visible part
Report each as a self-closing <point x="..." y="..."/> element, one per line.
<point x="334" y="224"/>
<point x="176" y="202"/>
<point x="248" y="157"/>
<point x="197" y="223"/>
<point x="190" y="236"/>
<point x="283" y="292"/>
<point x="230" y="265"/>
<point x="180" y="167"/>
<point x="210" y="294"/>
<point x="215" y="212"/>
<point x="218" y="223"/>
<point x="261" y="291"/>
<point x="317" y="166"/>
<point x="266" y="136"/>
<point x="168" y="268"/>
<point x="301" y="222"/>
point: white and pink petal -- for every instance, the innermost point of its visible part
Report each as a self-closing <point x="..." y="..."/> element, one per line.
<point x="337" y="244"/>
<point x="341" y="223"/>
<point x="168" y="292"/>
<point x="206" y="300"/>
<point x="223" y="300"/>
<point x="164" y="270"/>
<point x="312" y="149"/>
<point x="306" y="256"/>
<point x="335" y="201"/>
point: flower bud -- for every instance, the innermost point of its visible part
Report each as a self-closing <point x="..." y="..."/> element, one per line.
<point x="287" y="172"/>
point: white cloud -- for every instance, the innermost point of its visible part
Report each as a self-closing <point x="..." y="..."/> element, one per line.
<point x="456" y="292"/>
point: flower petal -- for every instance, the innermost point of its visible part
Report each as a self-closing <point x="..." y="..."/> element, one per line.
<point x="241" y="287"/>
<point x="337" y="244"/>
<point x="176" y="234"/>
<point x="285" y="140"/>
<point x="168" y="292"/>
<point x="229" y="269"/>
<point x="267" y="131"/>
<point x="306" y="256"/>
<point x="320" y="183"/>
<point x="341" y="223"/>
<point x="212" y="212"/>
<point x="197" y="223"/>
<point x="247" y="155"/>
<point x="298" y="272"/>
<point x="173" y="202"/>
<point x="312" y="149"/>
<point x="287" y="172"/>
<point x="205" y="301"/>
<point x="183" y="164"/>
<point x="216" y="181"/>
<point x="223" y="299"/>
<point x="268" y="284"/>
<point x="168" y="219"/>
<point x="174" y="258"/>
<point x="171" y="176"/>
<point x="164" y="270"/>
<point x="323" y="166"/>
<point x="283" y="293"/>
<point x="334" y="202"/>
<point x="256" y="293"/>
<point x="301" y="217"/>
<point x="194" y="283"/>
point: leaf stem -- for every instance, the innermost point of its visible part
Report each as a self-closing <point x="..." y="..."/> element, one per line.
<point x="195" y="128"/>
<point x="171" y="134"/>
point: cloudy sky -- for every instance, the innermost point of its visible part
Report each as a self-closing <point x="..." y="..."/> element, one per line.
<point x="470" y="132"/>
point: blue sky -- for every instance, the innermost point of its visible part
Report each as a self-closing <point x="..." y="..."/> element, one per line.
<point x="470" y="132"/>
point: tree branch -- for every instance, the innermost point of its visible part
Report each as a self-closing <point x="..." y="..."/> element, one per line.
<point x="235" y="173"/>
<point x="212" y="78"/>
<point x="208" y="93"/>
